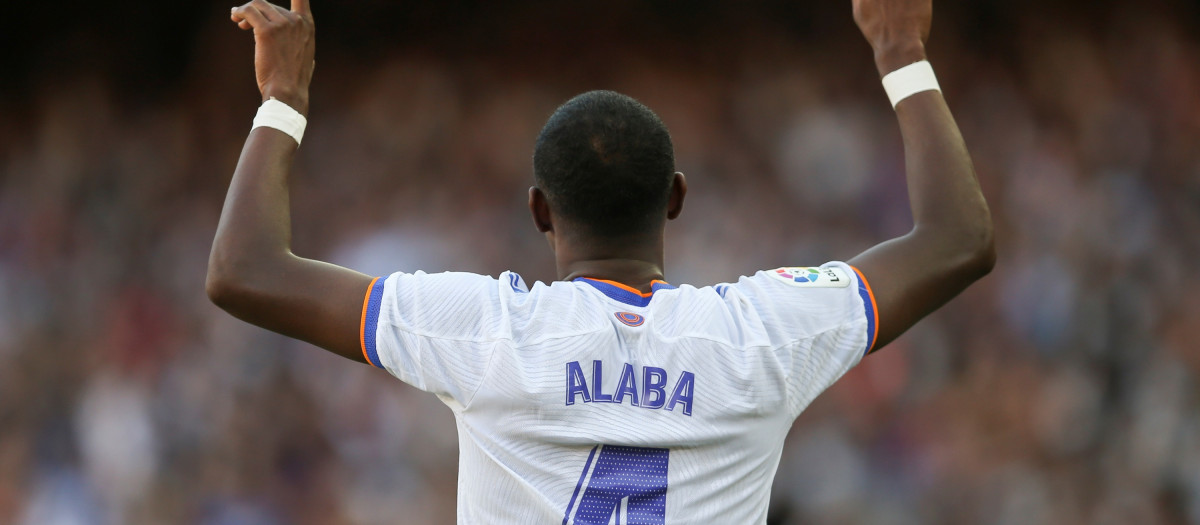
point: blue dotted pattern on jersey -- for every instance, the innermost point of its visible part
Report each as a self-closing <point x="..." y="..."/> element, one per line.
<point x="582" y="476"/>
<point x="372" y="321"/>
<point x="633" y="473"/>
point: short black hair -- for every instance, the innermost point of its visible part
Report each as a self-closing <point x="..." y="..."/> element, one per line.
<point x="605" y="162"/>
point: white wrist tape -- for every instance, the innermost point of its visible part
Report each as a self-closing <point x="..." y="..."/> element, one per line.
<point x="910" y="80"/>
<point x="276" y="114"/>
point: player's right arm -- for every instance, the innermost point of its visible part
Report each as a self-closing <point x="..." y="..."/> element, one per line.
<point x="950" y="245"/>
<point x="252" y="272"/>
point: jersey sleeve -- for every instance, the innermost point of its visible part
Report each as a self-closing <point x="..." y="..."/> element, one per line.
<point x="821" y="321"/>
<point x="436" y="332"/>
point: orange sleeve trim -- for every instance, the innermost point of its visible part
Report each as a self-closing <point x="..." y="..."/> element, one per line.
<point x="625" y="287"/>
<point x="874" y="309"/>
<point x="362" y="323"/>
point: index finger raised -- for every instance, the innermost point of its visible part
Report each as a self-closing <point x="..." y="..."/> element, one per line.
<point x="301" y="7"/>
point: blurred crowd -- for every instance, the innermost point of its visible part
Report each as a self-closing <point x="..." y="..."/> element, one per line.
<point x="1062" y="389"/>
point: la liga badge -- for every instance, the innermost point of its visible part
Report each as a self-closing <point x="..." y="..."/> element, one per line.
<point x="810" y="277"/>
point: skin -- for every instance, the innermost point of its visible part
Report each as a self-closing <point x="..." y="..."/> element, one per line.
<point x="635" y="260"/>
<point x="254" y="276"/>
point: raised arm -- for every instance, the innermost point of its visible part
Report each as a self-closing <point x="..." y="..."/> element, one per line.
<point x="252" y="272"/>
<point x="950" y="245"/>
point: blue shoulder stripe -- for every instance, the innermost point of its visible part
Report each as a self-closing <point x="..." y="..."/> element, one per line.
<point x="370" y="321"/>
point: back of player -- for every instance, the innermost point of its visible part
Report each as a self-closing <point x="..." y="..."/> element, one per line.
<point x="608" y="396"/>
<point x="589" y="402"/>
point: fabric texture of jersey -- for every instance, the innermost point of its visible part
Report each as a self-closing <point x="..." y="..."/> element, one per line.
<point x="590" y="402"/>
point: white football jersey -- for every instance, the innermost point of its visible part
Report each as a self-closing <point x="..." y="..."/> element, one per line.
<point x="588" y="402"/>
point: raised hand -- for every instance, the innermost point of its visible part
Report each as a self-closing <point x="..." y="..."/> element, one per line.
<point x="896" y="29"/>
<point x="950" y="245"/>
<point x="252" y="272"/>
<point x="284" y="46"/>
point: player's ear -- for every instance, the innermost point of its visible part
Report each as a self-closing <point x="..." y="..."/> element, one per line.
<point x="678" y="192"/>
<point x="540" y="209"/>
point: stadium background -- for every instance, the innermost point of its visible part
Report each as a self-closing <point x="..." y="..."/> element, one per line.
<point x="1061" y="389"/>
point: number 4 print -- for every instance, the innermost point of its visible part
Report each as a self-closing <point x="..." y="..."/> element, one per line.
<point x="624" y="486"/>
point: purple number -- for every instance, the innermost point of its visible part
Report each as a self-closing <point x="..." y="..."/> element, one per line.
<point x="629" y="483"/>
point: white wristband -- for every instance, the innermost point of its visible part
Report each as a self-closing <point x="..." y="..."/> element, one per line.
<point x="276" y="114"/>
<point x="910" y="80"/>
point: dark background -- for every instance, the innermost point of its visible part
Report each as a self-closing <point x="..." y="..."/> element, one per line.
<point x="148" y="48"/>
<point x="1060" y="389"/>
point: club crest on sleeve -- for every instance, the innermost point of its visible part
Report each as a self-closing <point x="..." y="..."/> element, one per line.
<point x="630" y="319"/>
<point x="813" y="277"/>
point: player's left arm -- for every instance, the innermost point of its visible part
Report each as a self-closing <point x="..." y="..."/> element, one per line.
<point x="252" y="273"/>
<point x="951" y="244"/>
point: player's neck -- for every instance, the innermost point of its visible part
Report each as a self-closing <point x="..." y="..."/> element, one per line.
<point x="635" y="264"/>
<point x="633" y="273"/>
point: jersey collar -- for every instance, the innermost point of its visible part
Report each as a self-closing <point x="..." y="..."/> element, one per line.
<point x="624" y="293"/>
